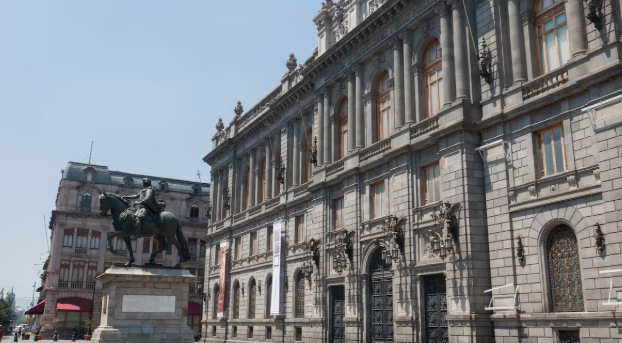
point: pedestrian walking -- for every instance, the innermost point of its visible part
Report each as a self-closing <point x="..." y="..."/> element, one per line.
<point x="20" y="332"/>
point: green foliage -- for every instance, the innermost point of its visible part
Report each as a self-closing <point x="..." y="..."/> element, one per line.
<point x="7" y="315"/>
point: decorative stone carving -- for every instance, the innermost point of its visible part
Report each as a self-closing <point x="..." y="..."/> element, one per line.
<point x="391" y="83"/>
<point x="375" y="5"/>
<point x="292" y="63"/>
<point x="238" y="109"/>
<point x="429" y="252"/>
<point x="597" y="175"/>
<point x="512" y="196"/>
<point x="533" y="192"/>
<point x="220" y="126"/>
<point x="572" y="181"/>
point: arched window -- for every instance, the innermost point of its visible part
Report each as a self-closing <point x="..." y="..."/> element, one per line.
<point x="236" y="301"/>
<point x="85" y="203"/>
<point x="194" y="211"/>
<point x="252" y="299"/>
<point x="247" y="188"/>
<point x="308" y="144"/>
<point x="343" y="129"/>
<point x="551" y="30"/>
<point x="383" y="107"/>
<point x="433" y="78"/>
<point x="300" y="295"/>
<point x="64" y="270"/>
<point x="78" y="271"/>
<point x="216" y="297"/>
<point x="262" y="180"/>
<point x="268" y="295"/>
<point x="564" y="270"/>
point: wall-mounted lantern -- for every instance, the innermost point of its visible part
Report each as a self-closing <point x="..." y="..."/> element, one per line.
<point x="227" y="199"/>
<point x="208" y="213"/>
<point x="279" y="168"/>
<point x="242" y="288"/>
<point x="595" y="13"/>
<point x="313" y="151"/>
<point x="394" y="238"/>
<point x="600" y="238"/>
<point x="485" y="62"/>
<point x="442" y="240"/>
<point x="520" y="250"/>
<point x="313" y="250"/>
<point x="259" y="286"/>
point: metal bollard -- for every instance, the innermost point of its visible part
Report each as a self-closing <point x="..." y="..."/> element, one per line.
<point x="15" y="337"/>
<point x="55" y="338"/>
<point x="36" y="338"/>
<point x="73" y="337"/>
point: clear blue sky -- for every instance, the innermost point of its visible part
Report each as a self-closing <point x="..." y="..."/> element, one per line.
<point x="146" y="80"/>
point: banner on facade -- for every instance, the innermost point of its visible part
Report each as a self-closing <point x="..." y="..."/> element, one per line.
<point x="220" y="311"/>
<point x="276" y="269"/>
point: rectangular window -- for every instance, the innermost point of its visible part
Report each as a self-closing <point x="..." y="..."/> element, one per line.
<point x="343" y="136"/>
<point x="238" y="248"/>
<point x="192" y="244"/>
<point x="298" y="331"/>
<point x="68" y="238"/>
<point x="568" y="336"/>
<point x="214" y="330"/>
<point x="82" y="238"/>
<point x="269" y="239"/>
<point x="338" y="213"/>
<point x="92" y="272"/>
<point x="377" y="193"/>
<point x="95" y="238"/>
<point x="77" y="272"/>
<point x="202" y="249"/>
<point x="551" y="151"/>
<point x="146" y="242"/>
<point x="268" y="332"/>
<point x="120" y="245"/>
<point x="250" y="332"/>
<point x="254" y="247"/>
<point x="235" y="331"/>
<point x="300" y="224"/>
<point x="133" y="245"/>
<point x="64" y="270"/>
<point x="217" y="254"/>
<point x="431" y="183"/>
<point x="552" y="40"/>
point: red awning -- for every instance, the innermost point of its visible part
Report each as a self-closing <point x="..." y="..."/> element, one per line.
<point x="74" y="305"/>
<point x="37" y="309"/>
<point x="194" y="309"/>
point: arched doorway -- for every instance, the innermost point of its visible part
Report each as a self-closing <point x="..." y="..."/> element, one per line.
<point x="381" y="281"/>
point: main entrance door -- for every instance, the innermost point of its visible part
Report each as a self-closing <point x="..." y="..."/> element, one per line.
<point x="381" y="300"/>
<point x="338" y="311"/>
<point x="436" y="309"/>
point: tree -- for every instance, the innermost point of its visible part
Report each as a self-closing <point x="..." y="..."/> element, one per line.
<point x="7" y="314"/>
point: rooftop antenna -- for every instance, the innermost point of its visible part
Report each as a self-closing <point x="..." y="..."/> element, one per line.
<point x="90" y="154"/>
<point x="46" y="234"/>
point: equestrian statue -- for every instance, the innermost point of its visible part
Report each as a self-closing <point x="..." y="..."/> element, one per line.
<point x="150" y="220"/>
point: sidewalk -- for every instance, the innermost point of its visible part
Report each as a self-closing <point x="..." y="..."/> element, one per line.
<point x="6" y="339"/>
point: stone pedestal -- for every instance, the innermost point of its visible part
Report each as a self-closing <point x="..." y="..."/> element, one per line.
<point x="144" y="304"/>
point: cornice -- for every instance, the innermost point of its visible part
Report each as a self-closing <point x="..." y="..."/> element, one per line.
<point x="377" y="29"/>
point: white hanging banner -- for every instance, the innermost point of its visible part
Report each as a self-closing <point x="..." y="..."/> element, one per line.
<point x="220" y="310"/>
<point x="276" y="269"/>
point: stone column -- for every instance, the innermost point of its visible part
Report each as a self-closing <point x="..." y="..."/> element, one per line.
<point x="419" y="102"/>
<point x="530" y="44"/>
<point x="328" y="156"/>
<point x="218" y="195"/>
<point x="351" y="112"/>
<point x="251" y="181"/>
<point x="240" y="181"/>
<point x="459" y="30"/>
<point x="449" y="90"/>
<point x="398" y="81"/>
<point x="257" y="173"/>
<point x="295" y="153"/>
<point x="358" y="99"/>
<point x="577" y="33"/>
<point x="320" y="126"/>
<point x="268" y="190"/>
<point x="409" y="95"/>
<point x="516" y="42"/>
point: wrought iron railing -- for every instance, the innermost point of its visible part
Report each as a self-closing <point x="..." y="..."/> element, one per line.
<point x="89" y="285"/>
<point x="77" y="285"/>
<point x="545" y="83"/>
<point x="121" y="253"/>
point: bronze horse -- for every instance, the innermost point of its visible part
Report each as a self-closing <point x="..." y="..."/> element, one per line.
<point x="124" y="220"/>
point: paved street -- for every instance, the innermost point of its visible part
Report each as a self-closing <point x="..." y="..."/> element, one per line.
<point x="6" y="339"/>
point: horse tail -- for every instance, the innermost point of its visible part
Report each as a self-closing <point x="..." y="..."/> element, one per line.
<point x="185" y="251"/>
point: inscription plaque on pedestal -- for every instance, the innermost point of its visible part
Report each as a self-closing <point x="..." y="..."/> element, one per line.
<point x="148" y="303"/>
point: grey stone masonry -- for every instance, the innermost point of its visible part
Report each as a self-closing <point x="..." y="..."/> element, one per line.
<point x="511" y="109"/>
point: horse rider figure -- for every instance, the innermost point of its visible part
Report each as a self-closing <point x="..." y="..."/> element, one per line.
<point x="148" y="206"/>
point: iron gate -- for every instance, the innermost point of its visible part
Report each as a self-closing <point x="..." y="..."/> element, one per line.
<point x="381" y="300"/>
<point x="436" y="309"/>
<point x="339" y="309"/>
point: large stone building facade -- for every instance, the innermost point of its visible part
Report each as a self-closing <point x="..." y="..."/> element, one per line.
<point x="508" y="111"/>
<point x="78" y="250"/>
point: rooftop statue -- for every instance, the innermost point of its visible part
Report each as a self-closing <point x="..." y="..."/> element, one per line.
<point x="148" y="221"/>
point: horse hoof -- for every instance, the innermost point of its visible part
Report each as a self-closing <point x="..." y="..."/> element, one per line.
<point x="130" y="263"/>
